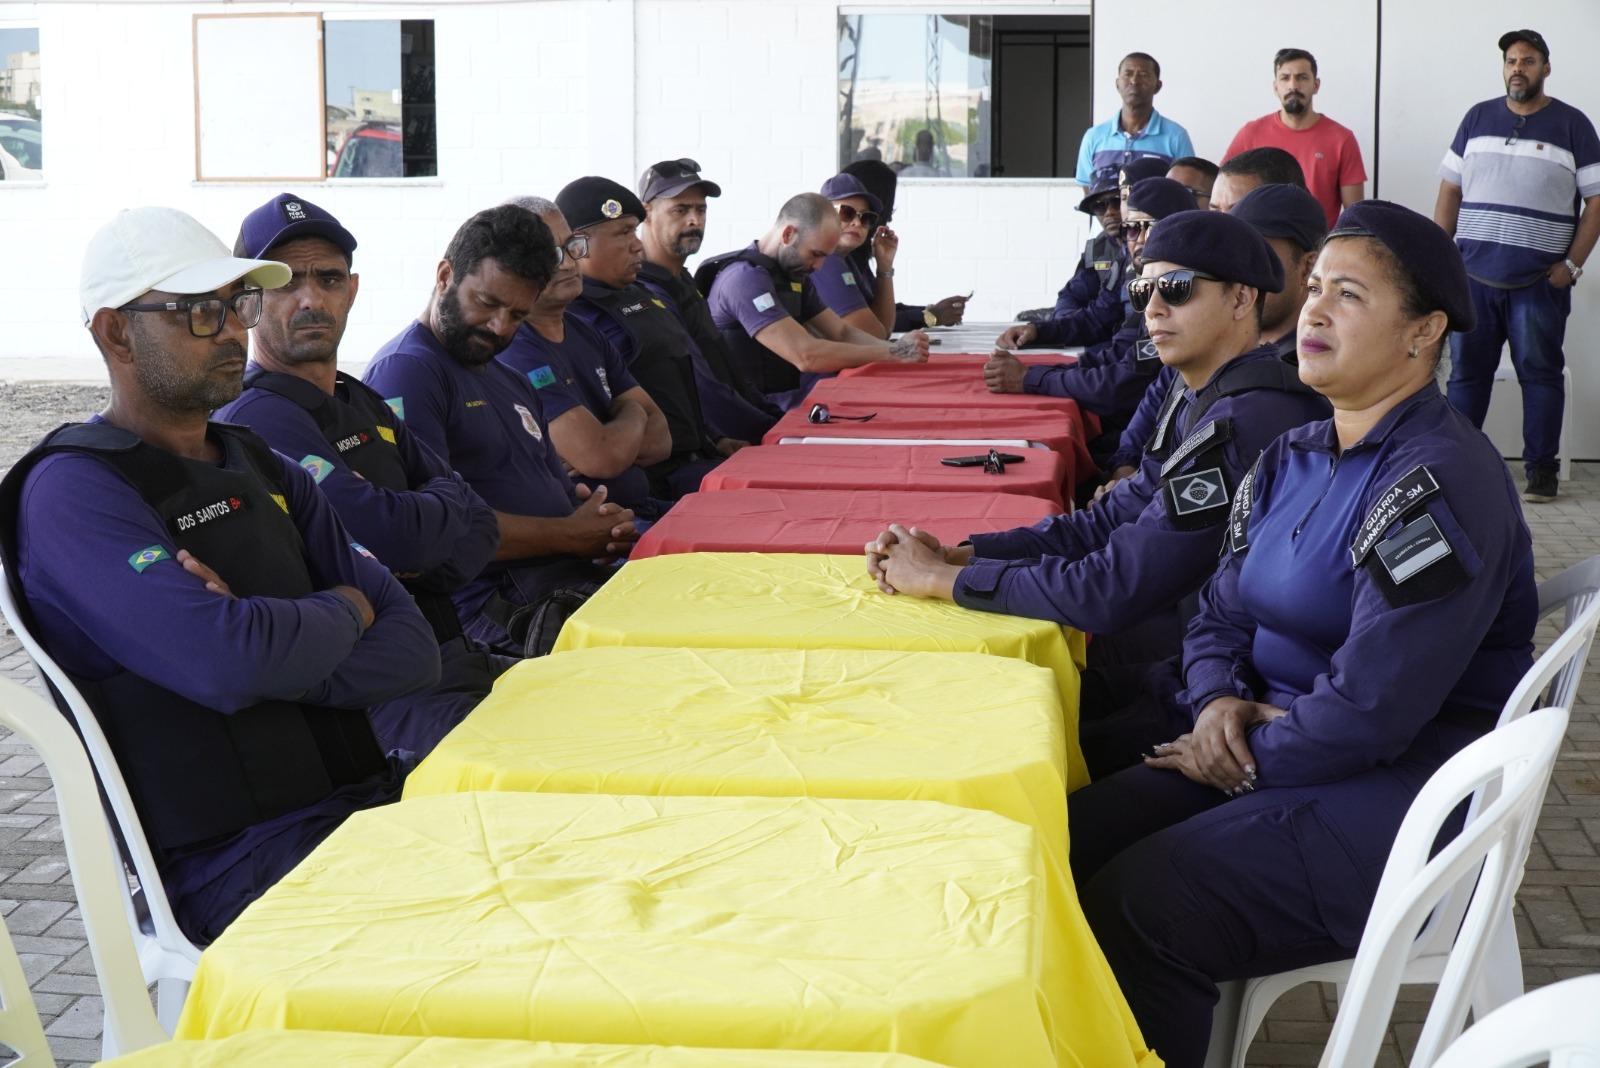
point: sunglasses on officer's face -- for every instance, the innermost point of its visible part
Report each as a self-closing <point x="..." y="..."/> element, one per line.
<point x="848" y="215"/>
<point x="1135" y="227"/>
<point x="1175" y="288"/>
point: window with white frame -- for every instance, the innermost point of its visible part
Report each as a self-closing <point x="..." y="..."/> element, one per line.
<point x="21" y="118"/>
<point x="297" y="97"/>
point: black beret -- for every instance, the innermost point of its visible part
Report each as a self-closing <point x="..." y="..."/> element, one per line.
<point x="1425" y="252"/>
<point x="1160" y="197"/>
<point x="1219" y="244"/>
<point x="1144" y="167"/>
<point x="591" y="200"/>
<point x="1284" y="211"/>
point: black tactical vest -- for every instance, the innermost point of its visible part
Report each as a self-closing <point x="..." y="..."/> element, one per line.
<point x="197" y="775"/>
<point x="1235" y="378"/>
<point x="707" y="338"/>
<point x="772" y="373"/>
<point x="663" y="361"/>
<point x="361" y="427"/>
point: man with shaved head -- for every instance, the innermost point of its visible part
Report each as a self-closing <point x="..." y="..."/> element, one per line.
<point x="767" y="310"/>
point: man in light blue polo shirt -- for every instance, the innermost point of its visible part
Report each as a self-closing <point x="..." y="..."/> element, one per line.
<point x="1509" y="191"/>
<point x="1137" y="129"/>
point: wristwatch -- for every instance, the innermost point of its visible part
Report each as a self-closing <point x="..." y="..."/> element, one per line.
<point x="929" y="317"/>
<point x="1577" y="271"/>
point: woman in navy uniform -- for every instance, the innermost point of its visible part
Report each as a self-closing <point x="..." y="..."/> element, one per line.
<point x="1373" y="608"/>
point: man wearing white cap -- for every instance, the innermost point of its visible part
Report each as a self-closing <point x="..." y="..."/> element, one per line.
<point x="197" y="587"/>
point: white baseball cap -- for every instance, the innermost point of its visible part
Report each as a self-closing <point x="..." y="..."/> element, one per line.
<point x="162" y="248"/>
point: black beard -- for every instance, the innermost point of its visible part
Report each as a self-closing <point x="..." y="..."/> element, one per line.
<point x="688" y="243"/>
<point x="1294" y="105"/>
<point x="457" y="336"/>
<point x="789" y="259"/>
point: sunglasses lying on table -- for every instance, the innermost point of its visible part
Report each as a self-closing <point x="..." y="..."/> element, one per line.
<point x="819" y="414"/>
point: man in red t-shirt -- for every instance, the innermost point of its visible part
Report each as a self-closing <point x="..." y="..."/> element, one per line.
<point x="1326" y="151"/>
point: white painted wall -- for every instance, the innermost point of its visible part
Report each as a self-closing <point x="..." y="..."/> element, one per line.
<point x="532" y="95"/>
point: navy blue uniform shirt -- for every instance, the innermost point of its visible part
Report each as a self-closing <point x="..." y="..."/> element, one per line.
<point x="485" y="422"/>
<point x="438" y="528"/>
<point x="1108" y="380"/>
<point x="1369" y="593"/>
<point x="1143" y="546"/>
<point x="582" y="370"/>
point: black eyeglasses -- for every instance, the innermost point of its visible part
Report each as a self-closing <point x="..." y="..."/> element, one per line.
<point x="208" y="314"/>
<point x="1516" y="129"/>
<point x="819" y="414"/>
<point x="676" y="168"/>
<point x="1135" y="227"/>
<point x="575" y="248"/>
<point x="1175" y="287"/>
<point x="848" y="215"/>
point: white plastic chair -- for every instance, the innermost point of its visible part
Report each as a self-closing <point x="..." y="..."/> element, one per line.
<point x="166" y="956"/>
<point x="1551" y="682"/>
<point x="20" y="1030"/>
<point x="1488" y="856"/>
<point x="130" y="1022"/>
<point x="1558" y="1024"/>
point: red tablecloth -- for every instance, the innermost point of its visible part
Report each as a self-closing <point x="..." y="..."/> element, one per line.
<point x="828" y="521"/>
<point x="1061" y="431"/>
<point x="940" y="362"/>
<point x="931" y="387"/>
<point x="884" y="467"/>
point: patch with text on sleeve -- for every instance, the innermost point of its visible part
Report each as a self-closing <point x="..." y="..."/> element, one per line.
<point x="1206" y="437"/>
<point x="1419" y="562"/>
<point x="1415" y="547"/>
<point x="1408" y="491"/>
<point x="1239" y="514"/>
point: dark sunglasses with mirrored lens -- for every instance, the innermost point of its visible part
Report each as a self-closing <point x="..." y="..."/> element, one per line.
<point x="1175" y="287"/>
<point x="1136" y="227"/>
<point x="848" y="215"/>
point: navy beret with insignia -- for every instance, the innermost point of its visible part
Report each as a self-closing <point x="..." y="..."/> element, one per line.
<point x="592" y="200"/>
<point x="1424" y="251"/>
<point x="1219" y="244"/>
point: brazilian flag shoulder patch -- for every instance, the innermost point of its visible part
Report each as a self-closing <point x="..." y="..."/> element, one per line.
<point x="542" y="377"/>
<point x="148" y="555"/>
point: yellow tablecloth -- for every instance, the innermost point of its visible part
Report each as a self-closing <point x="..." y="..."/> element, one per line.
<point x="802" y="601"/>
<point x="339" y="1050"/>
<point x="972" y="730"/>
<point x="736" y="923"/>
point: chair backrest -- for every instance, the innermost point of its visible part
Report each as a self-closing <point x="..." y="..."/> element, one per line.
<point x="1557" y="1023"/>
<point x="20" y="1030"/>
<point x="1552" y="682"/>
<point x="164" y="939"/>
<point x="1490" y="852"/>
<point x="130" y="1021"/>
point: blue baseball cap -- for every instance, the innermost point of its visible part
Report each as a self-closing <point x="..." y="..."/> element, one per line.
<point x="284" y="218"/>
<point x="844" y="186"/>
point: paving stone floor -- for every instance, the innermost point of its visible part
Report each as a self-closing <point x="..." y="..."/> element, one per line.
<point x="1558" y="909"/>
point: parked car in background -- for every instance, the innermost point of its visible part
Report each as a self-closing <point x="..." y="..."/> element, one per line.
<point x="371" y="150"/>
<point x="21" y="147"/>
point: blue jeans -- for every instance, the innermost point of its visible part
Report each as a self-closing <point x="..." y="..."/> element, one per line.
<point x="1534" y="320"/>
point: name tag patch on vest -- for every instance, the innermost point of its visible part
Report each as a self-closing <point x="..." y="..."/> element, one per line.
<point x="1216" y="431"/>
<point x="542" y="377"/>
<point x="1417" y="545"/>
<point x="764" y="301"/>
<point x="352" y="441"/>
<point x="147" y="556"/>
<point x="1146" y="350"/>
<point x="1411" y="489"/>
<point x="210" y="513"/>
<point x="1199" y="492"/>
<point x="397" y="405"/>
<point x="316" y="466"/>
<point x="632" y="308"/>
<point x="529" y="423"/>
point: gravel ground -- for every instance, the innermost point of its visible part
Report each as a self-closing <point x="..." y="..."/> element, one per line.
<point x="29" y="410"/>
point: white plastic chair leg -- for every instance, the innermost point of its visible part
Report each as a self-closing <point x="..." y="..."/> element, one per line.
<point x="1501" y="980"/>
<point x="170" y="996"/>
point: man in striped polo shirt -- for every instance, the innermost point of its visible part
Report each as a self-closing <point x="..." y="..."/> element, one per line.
<point x="1510" y="190"/>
